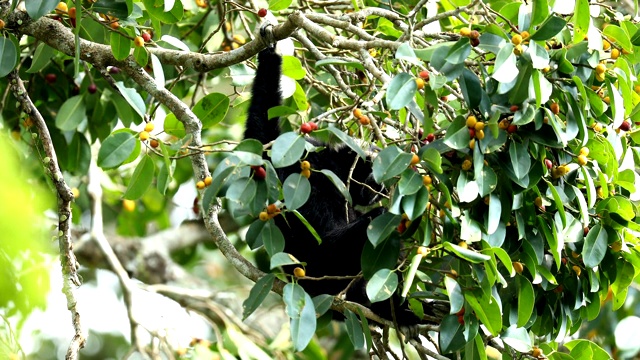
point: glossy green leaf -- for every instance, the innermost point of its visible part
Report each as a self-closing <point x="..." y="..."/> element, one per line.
<point x="296" y="189"/>
<point x="258" y="293"/>
<point x="550" y="28"/>
<point x="71" y="113"/>
<point x="173" y="127"/>
<point x="292" y="67"/>
<point x="133" y="97"/>
<point x="381" y="227"/>
<point x="401" y="91"/>
<point x="526" y="300"/>
<point x="287" y="149"/>
<point x="302" y="314"/>
<point x="39" y="8"/>
<point x="211" y="109"/>
<point x="41" y="58"/>
<point x="354" y="330"/>
<point x="141" y="179"/>
<point x="617" y="35"/>
<point x="390" y="162"/>
<point x="120" y="45"/>
<point x="115" y="149"/>
<point x="382" y="285"/>
<point x="156" y="10"/>
<point x="595" y="246"/>
<point x="272" y="238"/>
<point x="469" y="255"/>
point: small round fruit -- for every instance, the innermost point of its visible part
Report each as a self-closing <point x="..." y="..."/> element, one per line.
<point x="2" y="24"/>
<point x="402" y="227"/>
<point x="72" y="13"/>
<point x="516" y="39"/>
<point x="259" y="172"/>
<point x="471" y="121"/>
<point x="272" y="209"/>
<point x="61" y="8"/>
<point x="262" y="12"/>
<point x="305" y="165"/>
<point x="154" y="143"/>
<point x="305" y="128"/>
<point x="616" y="246"/>
<point x="208" y="180"/>
<point x="601" y="69"/>
<point x="299" y="272"/>
<point x="144" y="135"/>
<point x="463" y="244"/>
<point x="555" y="108"/>
<point x="426" y="180"/>
<point x="600" y="77"/>
<point x="415" y="159"/>
<point x="149" y="127"/>
<point x="538" y="201"/>
<point x="128" y="205"/>
<point x="75" y="192"/>
<point x="357" y="113"/>
<point x="114" y="25"/>
<point x="518" y="50"/>
<point x="518" y="267"/>
<point x="512" y="128"/>
<point x="472" y="144"/>
<point x="201" y="3"/>
<point x="424" y="74"/>
<point x="420" y="83"/>
<point x="548" y="163"/>
<point x="585" y="230"/>
<point x="525" y="35"/>
<point x="200" y="185"/>
<point x="606" y="45"/>
<point x="466" y="165"/>
<point x="465" y="31"/>
<point x="50" y="78"/>
<point x="582" y="160"/>
<point x="460" y="319"/>
<point x="92" y="88"/>
<point x="503" y="124"/>
<point x="364" y="120"/>
<point x="584" y="151"/>
<point x="430" y="137"/>
<point x="472" y="133"/>
<point x="146" y="36"/>
<point x="138" y="41"/>
<point x="422" y="251"/>
<point x="314" y="126"/>
<point x="577" y="269"/>
<point x="264" y="216"/>
<point x="615" y="53"/>
<point x="625" y="126"/>
<point x="474" y="42"/>
<point x="536" y="352"/>
<point x="480" y="134"/>
<point x="479" y="126"/>
<point x="474" y="35"/>
<point x="306" y="173"/>
<point x="546" y="69"/>
<point x="514" y="108"/>
<point x="28" y="122"/>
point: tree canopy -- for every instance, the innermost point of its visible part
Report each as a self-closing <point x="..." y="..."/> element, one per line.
<point x="508" y="142"/>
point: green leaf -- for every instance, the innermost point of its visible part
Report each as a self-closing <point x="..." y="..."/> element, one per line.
<point x="308" y="226"/>
<point x="382" y="285"/>
<point x="120" y="45"/>
<point x="333" y="61"/>
<point x="79" y="154"/>
<point x="42" y="58"/>
<point x="141" y="179"/>
<point x="242" y="191"/>
<point x="296" y="189"/>
<point x="174" y="127"/>
<point x="133" y="97"/>
<point x="116" y="8"/>
<point x="302" y="314"/>
<point x="410" y="182"/>
<point x="381" y="227"/>
<point x="211" y="109"/>
<point x="156" y="10"/>
<point x="517" y="337"/>
<point x="585" y="349"/>
<point x="141" y="55"/>
<point x="292" y="67"/>
<point x="451" y="335"/>
<point x="471" y="88"/>
<point x="272" y="238"/>
<point x="459" y="52"/>
<point x="595" y="246"/>
<point x="282" y="259"/>
<point x="581" y="19"/>
<point x="115" y="149"/>
<point x="390" y="162"/>
<point x="454" y="292"/>
<point x="617" y="35"/>
<point x="550" y="28"/>
<point x="401" y="91"/>
<point x="383" y="256"/>
<point x="466" y="254"/>
<point x="277" y="5"/>
<point x="526" y="298"/>
<point x="539" y="13"/>
<point x="71" y="113"/>
<point x="487" y="308"/>
<point x="520" y="159"/>
<point x="342" y="188"/>
<point x="8" y="56"/>
<point x="433" y="159"/>
<point x="347" y="140"/>
<point x="39" y="8"/>
<point x="505" y="69"/>
<point x="258" y="293"/>
<point x="287" y="149"/>
<point x="354" y="330"/>
<point x="457" y="136"/>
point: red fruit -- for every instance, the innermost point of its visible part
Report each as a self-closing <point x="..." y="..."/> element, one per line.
<point x="402" y="227"/>
<point x="474" y="42"/>
<point x="306" y="128"/>
<point x="586" y="230"/>
<point x="114" y="70"/>
<point x="548" y="163"/>
<point x="512" y="128"/>
<point x="460" y="319"/>
<point x="461" y="312"/>
<point x="196" y="208"/>
<point x="514" y="108"/>
<point x="431" y="137"/>
<point x="259" y="172"/>
<point x="92" y="88"/>
<point x="146" y="36"/>
<point x="50" y="78"/>
<point x="314" y="126"/>
<point x="472" y="133"/>
<point x="262" y="12"/>
<point x="424" y="74"/>
<point x="625" y="126"/>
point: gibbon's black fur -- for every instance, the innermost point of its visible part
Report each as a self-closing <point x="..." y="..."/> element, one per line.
<point x="342" y="228"/>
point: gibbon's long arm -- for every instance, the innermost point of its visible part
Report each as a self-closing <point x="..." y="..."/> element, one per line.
<point x="265" y="95"/>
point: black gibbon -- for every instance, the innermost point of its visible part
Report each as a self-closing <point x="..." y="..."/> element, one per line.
<point x="342" y="228"/>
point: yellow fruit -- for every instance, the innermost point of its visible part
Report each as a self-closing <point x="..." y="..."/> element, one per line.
<point x="2" y="24"/>
<point x="364" y="120"/>
<point x="555" y="108"/>
<point x="471" y="121"/>
<point x="525" y="35"/>
<point x="128" y="205"/>
<point x="606" y="45"/>
<point x="420" y="83"/>
<point x="149" y="127"/>
<point x="76" y="192"/>
<point x="616" y="246"/>
<point x="415" y="159"/>
<point x="426" y="180"/>
<point x="536" y="352"/>
<point x="373" y="52"/>
<point x="465" y="31"/>
<point x="503" y="124"/>
<point x="299" y="272"/>
<point x="200" y="185"/>
<point x="606" y="99"/>
<point x="582" y="160"/>
<point x="600" y="77"/>
<point x="463" y="244"/>
<point x="472" y="144"/>
<point x="637" y="89"/>
<point x="264" y="216"/>
<point x="466" y="165"/>
<point x="577" y="269"/>
<point x="518" y="267"/>
<point x="422" y="251"/>
<point x="615" y="53"/>
<point x="600" y="192"/>
<point x="518" y="50"/>
<point x="239" y="39"/>
<point x="114" y="25"/>
<point x="538" y="201"/>
<point x="208" y="180"/>
<point x="600" y="69"/>
<point x="306" y="173"/>
<point x="480" y="134"/>
<point x="516" y="39"/>
<point x="144" y="135"/>
<point x="305" y="165"/>
<point x="357" y="113"/>
<point x="584" y="151"/>
<point x="479" y="126"/>
<point x="61" y="8"/>
<point x="202" y="4"/>
<point x="138" y="41"/>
